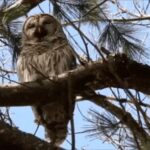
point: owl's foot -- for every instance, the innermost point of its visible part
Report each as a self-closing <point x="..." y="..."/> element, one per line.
<point x="53" y="77"/>
<point x="38" y="120"/>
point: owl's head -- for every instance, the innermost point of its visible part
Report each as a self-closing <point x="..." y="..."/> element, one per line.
<point x="41" y="27"/>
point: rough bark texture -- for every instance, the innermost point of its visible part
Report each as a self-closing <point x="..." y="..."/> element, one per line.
<point x="13" y="139"/>
<point x="98" y="75"/>
<point x="18" y="9"/>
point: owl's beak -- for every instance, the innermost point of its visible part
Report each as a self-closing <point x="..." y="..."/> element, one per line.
<point x="40" y="32"/>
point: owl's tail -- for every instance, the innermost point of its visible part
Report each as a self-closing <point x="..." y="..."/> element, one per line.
<point x="56" y="133"/>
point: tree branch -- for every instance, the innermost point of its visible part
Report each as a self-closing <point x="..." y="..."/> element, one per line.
<point x="16" y="10"/>
<point x="13" y="139"/>
<point x="124" y="116"/>
<point x="96" y="75"/>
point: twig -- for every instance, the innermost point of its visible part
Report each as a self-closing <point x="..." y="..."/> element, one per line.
<point x="71" y="108"/>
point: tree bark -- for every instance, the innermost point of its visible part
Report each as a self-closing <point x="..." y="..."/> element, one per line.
<point x="96" y="75"/>
<point x="12" y="138"/>
<point x="17" y="9"/>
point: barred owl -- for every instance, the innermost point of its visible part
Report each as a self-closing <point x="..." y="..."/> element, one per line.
<point x="45" y="52"/>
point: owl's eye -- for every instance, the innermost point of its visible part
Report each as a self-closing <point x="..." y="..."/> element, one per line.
<point x="32" y="25"/>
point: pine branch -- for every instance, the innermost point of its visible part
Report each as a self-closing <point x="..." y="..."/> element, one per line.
<point x="13" y="139"/>
<point x="135" y="19"/>
<point x="96" y="75"/>
<point x="125" y="118"/>
<point x="16" y="10"/>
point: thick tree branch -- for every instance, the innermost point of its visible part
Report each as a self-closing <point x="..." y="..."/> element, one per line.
<point x="13" y="139"/>
<point x="16" y="10"/>
<point x="96" y="75"/>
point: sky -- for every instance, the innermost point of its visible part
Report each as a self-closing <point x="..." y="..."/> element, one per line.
<point x="24" y="119"/>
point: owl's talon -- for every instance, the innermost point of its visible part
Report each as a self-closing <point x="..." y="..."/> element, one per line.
<point x="38" y="120"/>
<point x="53" y="77"/>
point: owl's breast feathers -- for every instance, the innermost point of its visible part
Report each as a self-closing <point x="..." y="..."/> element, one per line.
<point x="39" y="61"/>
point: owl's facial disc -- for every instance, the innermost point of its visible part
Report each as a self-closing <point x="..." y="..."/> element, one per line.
<point x="40" y="28"/>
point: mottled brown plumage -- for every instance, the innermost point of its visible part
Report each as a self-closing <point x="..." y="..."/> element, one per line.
<point x="45" y="53"/>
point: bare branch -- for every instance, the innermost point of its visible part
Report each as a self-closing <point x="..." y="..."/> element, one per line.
<point x="16" y="10"/>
